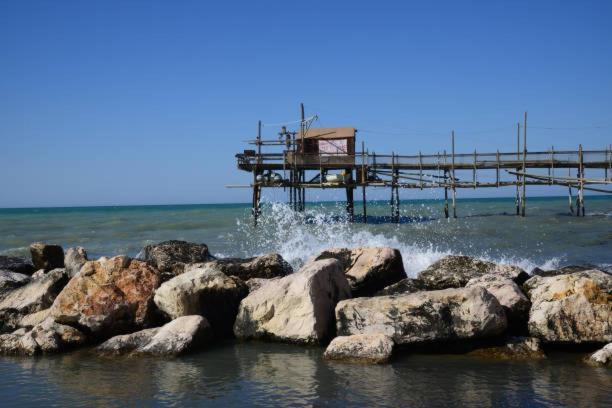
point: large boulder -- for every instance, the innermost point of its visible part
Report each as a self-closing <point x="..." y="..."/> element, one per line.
<point x="602" y="357"/>
<point x="36" y="295"/>
<point x="407" y="285"/>
<point x="298" y="308"/>
<point x="572" y="308"/>
<point x="46" y="256"/>
<point x="265" y="266"/>
<point x="509" y="295"/>
<point x="563" y="270"/>
<point x="10" y="280"/>
<point x="108" y="296"/>
<point x="423" y="317"/>
<point x="46" y="337"/>
<point x="170" y="257"/>
<point x="74" y="259"/>
<point x="368" y="269"/>
<point x="360" y="348"/>
<point x="513" y="348"/>
<point x="16" y="264"/>
<point x="177" y="337"/>
<point x="454" y="271"/>
<point x="204" y="290"/>
<point x="255" y="283"/>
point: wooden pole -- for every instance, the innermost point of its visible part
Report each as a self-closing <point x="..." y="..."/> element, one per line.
<point x="474" y="175"/>
<point x="453" y="175"/>
<point x="445" y="188"/>
<point x="581" y="163"/>
<point x="256" y="187"/>
<point x="569" y="187"/>
<point x="497" y="169"/>
<point x="517" y="201"/>
<point x="363" y="182"/>
<point x="523" y="197"/>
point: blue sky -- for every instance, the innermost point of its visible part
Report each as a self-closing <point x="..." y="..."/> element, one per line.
<point x="147" y="102"/>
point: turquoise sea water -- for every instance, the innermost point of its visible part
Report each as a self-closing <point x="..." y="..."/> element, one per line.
<point x="267" y="374"/>
<point x="548" y="237"/>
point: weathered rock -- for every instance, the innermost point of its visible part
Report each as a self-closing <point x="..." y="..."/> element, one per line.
<point x="602" y="357"/>
<point x="408" y="285"/>
<point x="368" y="269"/>
<point x="360" y="348"/>
<point x="74" y="259"/>
<point x="108" y="296"/>
<point x="36" y="295"/>
<point x="16" y="264"/>
<point x="572" y="308"/>
<point x="255" y="283"/>
<point x="46" y="337"/>
<point x="177" y="337"/>
<point x="454" y="271"/>
<point x="32" y="319"/>
<point x="422" y="317"/>
<point x="203" y="290"/>
<point x="513" y="348"/>
<point x="265" y="266"/>
<point x="170" y="257"/>
<point x="509" y="296"/>
<point x="47" y="256"/>
<point x="562" y="271"/>
<point x="298" y="308"/>
<point x="10" y="280"/>
<point x="127" y="343"/>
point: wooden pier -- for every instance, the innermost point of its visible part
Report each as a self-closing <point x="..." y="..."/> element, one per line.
<point x="327" y="158"/>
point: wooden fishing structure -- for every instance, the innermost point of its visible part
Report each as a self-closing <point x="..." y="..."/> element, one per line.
<point x="324" y="158"/>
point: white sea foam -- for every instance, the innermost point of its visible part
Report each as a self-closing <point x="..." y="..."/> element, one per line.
<point x="300" y="236"/>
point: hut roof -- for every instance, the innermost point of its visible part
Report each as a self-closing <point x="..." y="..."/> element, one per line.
<point x="329" y="133"/>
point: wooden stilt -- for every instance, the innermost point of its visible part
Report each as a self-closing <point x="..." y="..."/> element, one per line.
<point x="453" y="176"/>
<point x="445" y="195"/>
<point x="517" y="201"/>
<point x="350" y="206"/>
<point x="569" y="188"/>
<point x="581" y="193"/>
<point x="364" y="181"/>
<point x="523" y="197"/>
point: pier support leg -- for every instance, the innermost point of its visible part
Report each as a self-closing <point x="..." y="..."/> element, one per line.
<point x="571" y="204"/>
<point x="517" y="200"/>
<point x="350" y="205"/>
<point x="256" y="201"/>
<point x="365" y="209"/>
<point x="454" y="203"/>
<point x="445" y="196"/>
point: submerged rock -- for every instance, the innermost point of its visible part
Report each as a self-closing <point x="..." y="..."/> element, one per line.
<point x="36" y="295"/>
<point x="408" y="285"/>
<point x="16" y="264"/>
<point x="170" y="257"/>
<point x="46" y="337"/>
<point x="360" y="348"/>
<point x="265" y="266"/>
<point x="74" y="259"/>
<point x="177" y="337"/>
<point x="602" y="357"/>
<point x="422" y="317"/>
<point x="46" y="256"/>
<point x="572" y="308"/>
<point x="108" y="296"/>
<point x="298" y="308"/>
<point x="454" y="271"/>
<point x="368" y="269"/>
<point x="514" y="348"/>
<point x="203" y="289"/>
<point x="509" y="296"/>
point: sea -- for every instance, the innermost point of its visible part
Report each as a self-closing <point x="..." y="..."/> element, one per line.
<point x="268" y="374"/>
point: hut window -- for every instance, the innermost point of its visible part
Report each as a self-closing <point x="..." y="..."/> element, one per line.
<point x="333" y="147"/>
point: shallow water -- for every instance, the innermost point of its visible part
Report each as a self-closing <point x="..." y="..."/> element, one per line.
<point x="259" y="374"/>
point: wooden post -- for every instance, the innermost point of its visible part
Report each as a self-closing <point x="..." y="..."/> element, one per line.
<point x="552" y="165"/>
<point x="569" y="187"/>
<point x="445" y="187"/>
<point x="474" y="175"/>
<point x="420" y="170"/>
<point x="581" y="193"/>
<point x="523" y="197"/>
<point x="350" y="207"/>
<point x="517" y="201"/>
<point x="363" y="182"/>
<point x="256" y="187"/>
<point x="453" y="176"/>
<point x="497" y="170"/>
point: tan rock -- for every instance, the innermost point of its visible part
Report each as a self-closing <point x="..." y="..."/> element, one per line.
<point x="298" y="308"/>
<point x="422" y="317"/>
<point x="108" y="296"/>
<point x="514" y="348"/>
<point x="572" y="308"/>
<point x="360" y="348"/>
<point x="602" y="357"/>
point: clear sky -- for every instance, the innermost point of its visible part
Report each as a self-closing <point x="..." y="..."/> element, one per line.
<point x="132" y="102"/>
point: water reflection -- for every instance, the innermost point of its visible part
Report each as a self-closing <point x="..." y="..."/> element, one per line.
<point x="258" y="374"/>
